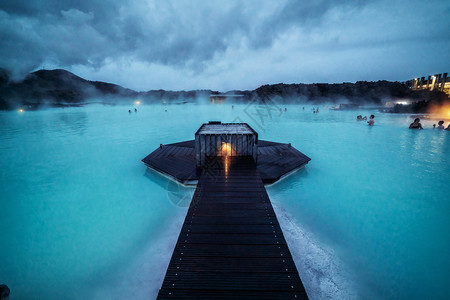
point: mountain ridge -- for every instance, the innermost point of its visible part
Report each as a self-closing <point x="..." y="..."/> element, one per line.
<point x="60" y="87"/>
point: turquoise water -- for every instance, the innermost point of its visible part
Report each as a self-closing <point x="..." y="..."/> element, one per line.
<point x="82" y="218"/>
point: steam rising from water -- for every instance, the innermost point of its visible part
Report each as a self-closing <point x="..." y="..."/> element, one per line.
<point x="441" y="111"/>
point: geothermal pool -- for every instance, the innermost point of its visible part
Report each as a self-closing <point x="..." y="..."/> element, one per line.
<point x="82" y="218"/>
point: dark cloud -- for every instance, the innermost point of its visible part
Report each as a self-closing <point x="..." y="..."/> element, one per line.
<point x="222" y="44"/>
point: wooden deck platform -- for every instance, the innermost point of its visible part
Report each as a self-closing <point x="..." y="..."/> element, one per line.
<point x="231" y="245"/>
<point x="178" y="161"/>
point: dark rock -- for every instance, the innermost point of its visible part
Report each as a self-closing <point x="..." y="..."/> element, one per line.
<point x="3" y="104"/>
<point x="4" y="76"/>
<point x="4" y="291"/>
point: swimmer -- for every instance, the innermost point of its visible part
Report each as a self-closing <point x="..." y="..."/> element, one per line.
<point x="448" y="127"/>
<point x="371" y="120"/>
<point x="416" y="124"/>
<point x="358" y="118"/>
<point x="441" y="125"/>
<point x="129" y="111"/>
<point x="135" y="110"/>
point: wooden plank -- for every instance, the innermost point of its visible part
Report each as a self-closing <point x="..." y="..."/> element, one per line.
<point x="202" y="148"/>
<point x="231" y="239"/>
<point x="214" y="250"/>
<point x="225" y="294"/>
<point x="234" y="264"/>
<point x="231" y="220"/>
<point x="260" y="281"/>
<point x="197" y="149"/>
<point x="207" y="144"/>
<point x="219" y="145"/>
<point x="235" y="229"/>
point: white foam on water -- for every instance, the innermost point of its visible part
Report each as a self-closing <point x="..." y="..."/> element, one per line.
<point x="323" y="274"/>
<point x="143" y="277"/>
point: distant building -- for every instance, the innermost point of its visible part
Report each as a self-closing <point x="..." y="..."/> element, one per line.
<point x="348" y="106"/>
<point x="440" y="82"/>
<point x="219" y="98"/>
<point x="389" y="104"/>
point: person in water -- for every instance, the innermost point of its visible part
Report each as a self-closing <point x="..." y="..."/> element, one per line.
<point x="371" y="121"/>
<point x="448" y="127"/>
<point x="441" y="125"/>
<point x="416" y="124"/>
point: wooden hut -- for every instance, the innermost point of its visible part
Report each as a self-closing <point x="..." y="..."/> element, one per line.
<point x="225" y="139"/>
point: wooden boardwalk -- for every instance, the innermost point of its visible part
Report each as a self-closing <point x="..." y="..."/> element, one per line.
<point x="231" y="245"/>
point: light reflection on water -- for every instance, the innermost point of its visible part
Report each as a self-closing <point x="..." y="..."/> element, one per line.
<point x="367" y="218"/>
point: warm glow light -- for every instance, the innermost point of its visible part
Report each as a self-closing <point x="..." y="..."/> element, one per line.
<point x="137" y="102"/>
<point x="21" y="110"/>
<point x="402" y="102"/>
<point x="226" y="149"/>
<point x="226" y="165"/>
<point x="441" y="111"/>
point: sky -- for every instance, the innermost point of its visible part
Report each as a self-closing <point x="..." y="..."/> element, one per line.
<point x="226" y="45"/>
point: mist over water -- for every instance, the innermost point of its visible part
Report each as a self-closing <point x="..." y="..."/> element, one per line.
<point x="82" y="217"/>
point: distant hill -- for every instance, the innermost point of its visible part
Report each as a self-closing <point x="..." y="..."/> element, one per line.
<point x="63" y="88"/>
<point x="55" y="87"/>
<point x="60" y="87"/>
<point x="359" y="92"/>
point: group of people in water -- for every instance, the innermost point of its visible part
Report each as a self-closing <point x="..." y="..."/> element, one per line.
<point x="417" y="125"/>
<point x="371" y="121"/>
<point x="441" y="126"/>
<point x="414" y="125"/>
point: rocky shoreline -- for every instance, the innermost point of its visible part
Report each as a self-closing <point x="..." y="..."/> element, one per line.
<point x="4" y="292"/>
